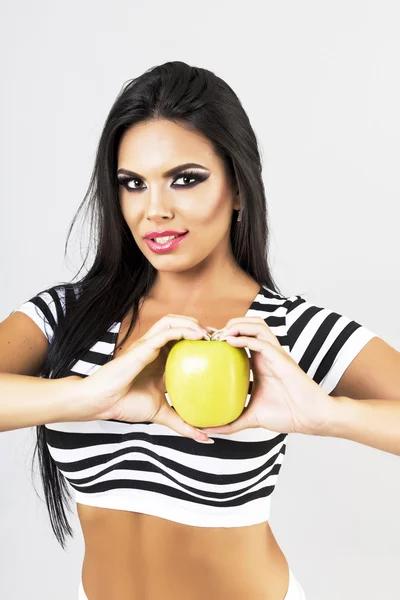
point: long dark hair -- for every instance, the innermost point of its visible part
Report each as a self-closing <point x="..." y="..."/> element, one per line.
<point x="199" y="99"/>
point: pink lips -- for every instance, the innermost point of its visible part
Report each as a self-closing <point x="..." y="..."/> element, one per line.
<point x="160" y="248"/>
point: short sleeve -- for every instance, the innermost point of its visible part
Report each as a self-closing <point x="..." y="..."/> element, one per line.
<point x="323" y="342"/>
<point x="46" y="309"/>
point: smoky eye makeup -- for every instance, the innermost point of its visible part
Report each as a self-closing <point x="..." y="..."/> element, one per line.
<point x="190" y="179"/>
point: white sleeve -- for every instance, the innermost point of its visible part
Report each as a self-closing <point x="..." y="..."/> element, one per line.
<point x="323" y="342"/>
<point x="45" y="309"/>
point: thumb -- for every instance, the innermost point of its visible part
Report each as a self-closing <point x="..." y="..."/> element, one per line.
<point x="170" y="418"/>
<point x="244" y="421"/>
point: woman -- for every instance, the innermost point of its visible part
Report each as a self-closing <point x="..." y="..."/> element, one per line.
<point x="164" y="516"/>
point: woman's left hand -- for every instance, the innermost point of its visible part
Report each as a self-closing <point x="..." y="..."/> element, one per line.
<point x="283" y="398"/>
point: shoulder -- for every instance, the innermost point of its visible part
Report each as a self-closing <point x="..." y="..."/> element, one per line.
<point x="49" y="306"/>
<point x="275" y="304"/>
<point x="322" y="340"/>
<point x="57" y="298"/>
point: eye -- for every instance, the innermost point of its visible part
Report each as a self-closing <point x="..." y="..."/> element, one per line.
<point x="126" y="181"/>
<point x="190" y="178"/>
<point x="194" y="176"/>
<point x="187" y="176"/>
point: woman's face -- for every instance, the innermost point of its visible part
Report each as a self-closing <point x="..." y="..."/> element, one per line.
<point x="199" y="200"/>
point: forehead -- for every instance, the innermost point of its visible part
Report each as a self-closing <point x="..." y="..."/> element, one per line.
<point x="161" y="143"/>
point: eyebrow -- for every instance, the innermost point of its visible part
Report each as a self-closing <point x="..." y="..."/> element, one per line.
<point x="169" y="173"/>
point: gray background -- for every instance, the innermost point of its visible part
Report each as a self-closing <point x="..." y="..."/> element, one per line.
<point x="320" y="83"/>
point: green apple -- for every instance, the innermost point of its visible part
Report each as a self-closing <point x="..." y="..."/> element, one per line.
<point x="207" y="381"/>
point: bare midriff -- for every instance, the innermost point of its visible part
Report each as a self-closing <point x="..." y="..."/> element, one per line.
<point x="136" y="556"/>
<point x="133" y="556"/>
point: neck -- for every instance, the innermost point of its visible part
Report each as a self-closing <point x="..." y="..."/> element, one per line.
<point x="192" y="288"/>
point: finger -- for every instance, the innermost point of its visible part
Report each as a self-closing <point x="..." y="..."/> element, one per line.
<point x="259" y="320"/>
<point x="145" y="350"/>
<point x="175" y="321"/>
<point x="246" y="328"/>
<point x="170" y="418"/>
<point x="245" y="421"/>
<point x="277" y="359"/>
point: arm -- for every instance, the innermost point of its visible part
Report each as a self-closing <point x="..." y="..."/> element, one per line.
<point x="27" y="401"/>
<point x="366" y="400"/>
<point x="374" y="422"/>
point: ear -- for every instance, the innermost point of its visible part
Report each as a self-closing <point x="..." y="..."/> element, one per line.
<point x="236" y="201"/>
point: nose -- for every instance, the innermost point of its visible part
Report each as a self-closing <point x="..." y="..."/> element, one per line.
<point x="158" y="205"/>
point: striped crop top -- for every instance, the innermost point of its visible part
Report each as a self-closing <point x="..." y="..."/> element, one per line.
<point x="149" y="468"/>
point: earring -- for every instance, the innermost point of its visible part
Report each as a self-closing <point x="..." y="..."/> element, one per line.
<point x="239" y="218"/>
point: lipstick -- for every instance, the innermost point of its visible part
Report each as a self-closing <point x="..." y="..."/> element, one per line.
<point x="167" y="246"/>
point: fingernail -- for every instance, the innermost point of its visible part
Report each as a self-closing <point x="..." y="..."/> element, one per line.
<point x="209" y="441"/>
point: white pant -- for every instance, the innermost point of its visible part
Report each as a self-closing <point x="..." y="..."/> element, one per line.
<point x="81" y="592"/>
<point x="295" y="591"/>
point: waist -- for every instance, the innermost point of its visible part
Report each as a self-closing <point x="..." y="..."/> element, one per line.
<point x="135" y="555"/>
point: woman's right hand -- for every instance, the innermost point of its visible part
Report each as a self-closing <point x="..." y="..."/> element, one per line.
<point x="131" y="386"/>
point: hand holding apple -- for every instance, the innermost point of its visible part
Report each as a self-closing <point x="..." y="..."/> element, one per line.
<point x="284" y="398"/>
<point x="130" y="387"/>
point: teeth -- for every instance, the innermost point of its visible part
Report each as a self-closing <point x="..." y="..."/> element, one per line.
<point x="162" y="240"/>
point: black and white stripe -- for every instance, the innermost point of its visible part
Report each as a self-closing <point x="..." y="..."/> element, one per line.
<point x="323" y="342"/>
<point x="146" y="467"/>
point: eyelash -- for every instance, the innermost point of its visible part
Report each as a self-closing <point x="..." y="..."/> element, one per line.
<point x="125" y="179"/>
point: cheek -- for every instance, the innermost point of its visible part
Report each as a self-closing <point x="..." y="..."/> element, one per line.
<point x="128" y="210"/>
<point x="199" y="207"/>
<point x="220" y="209"/>
<point x="208" y="207"/>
